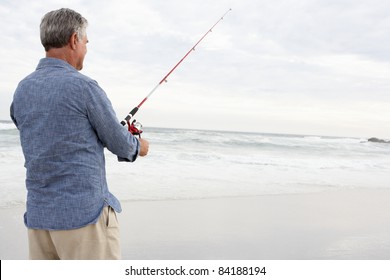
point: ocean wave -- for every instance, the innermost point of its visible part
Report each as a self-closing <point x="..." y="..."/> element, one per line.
<point x="198" y="137"/>
<point x="12" y="203"/>
<point x="188" y="164"/>
<point x="7" y="125"/>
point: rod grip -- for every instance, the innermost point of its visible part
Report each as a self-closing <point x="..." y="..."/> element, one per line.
<point x="132" y="112"/>
<point x="129" y="116"/>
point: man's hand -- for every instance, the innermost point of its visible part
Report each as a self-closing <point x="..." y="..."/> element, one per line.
<point x="144" y="147"/>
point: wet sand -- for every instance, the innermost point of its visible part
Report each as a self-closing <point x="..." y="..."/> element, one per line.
<point x="352" y="224"/>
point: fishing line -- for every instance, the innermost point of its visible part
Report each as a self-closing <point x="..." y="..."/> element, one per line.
<point x="135" y="127"/>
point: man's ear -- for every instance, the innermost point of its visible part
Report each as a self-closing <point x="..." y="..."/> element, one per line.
<point x="73" y="41"/>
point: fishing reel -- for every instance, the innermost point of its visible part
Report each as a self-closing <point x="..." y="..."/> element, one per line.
<point x="135" y="128"/>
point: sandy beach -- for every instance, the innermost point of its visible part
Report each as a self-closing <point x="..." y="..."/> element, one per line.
<point x="352" y="224"/>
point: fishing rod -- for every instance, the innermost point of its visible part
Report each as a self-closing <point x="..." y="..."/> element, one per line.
<point x="135" y="127"/>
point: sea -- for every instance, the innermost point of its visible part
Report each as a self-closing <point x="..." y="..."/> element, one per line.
<point x="197" y="164"/>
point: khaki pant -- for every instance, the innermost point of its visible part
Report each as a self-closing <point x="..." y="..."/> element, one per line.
<point x="98" y="241"/>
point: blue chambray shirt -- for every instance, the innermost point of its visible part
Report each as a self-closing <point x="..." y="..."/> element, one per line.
<point x="65" y="121"/>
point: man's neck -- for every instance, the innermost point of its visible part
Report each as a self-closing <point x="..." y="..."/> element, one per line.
<point x="60" y="53"/>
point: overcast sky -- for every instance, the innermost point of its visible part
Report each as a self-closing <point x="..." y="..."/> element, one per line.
<point x="319" y="67"/>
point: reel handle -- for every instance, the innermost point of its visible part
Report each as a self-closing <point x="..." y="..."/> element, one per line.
<point x="135" y="128"/>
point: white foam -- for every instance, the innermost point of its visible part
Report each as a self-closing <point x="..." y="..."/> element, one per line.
<point x="7" y="126"/>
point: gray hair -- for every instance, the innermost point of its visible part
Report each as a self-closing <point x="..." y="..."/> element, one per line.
<point x="58" y="26"/>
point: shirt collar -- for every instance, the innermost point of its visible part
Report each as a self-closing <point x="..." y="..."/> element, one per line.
<point x="54" y="62"/>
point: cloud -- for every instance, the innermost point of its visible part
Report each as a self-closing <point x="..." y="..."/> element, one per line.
<point x="307" y="66"/>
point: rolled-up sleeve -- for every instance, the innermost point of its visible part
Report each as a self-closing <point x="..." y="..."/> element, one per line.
<point x="108" y="129"/>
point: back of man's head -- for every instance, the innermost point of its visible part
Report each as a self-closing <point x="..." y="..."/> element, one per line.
<point x="58" y="26"/>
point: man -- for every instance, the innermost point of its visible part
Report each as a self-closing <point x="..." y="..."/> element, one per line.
<point x="65" y="120"/>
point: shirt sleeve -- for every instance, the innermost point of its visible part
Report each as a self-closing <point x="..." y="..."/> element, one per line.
<point x="110" y="132"/>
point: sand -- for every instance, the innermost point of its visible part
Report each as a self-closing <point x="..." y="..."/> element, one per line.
<point x="352" y="224"/>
